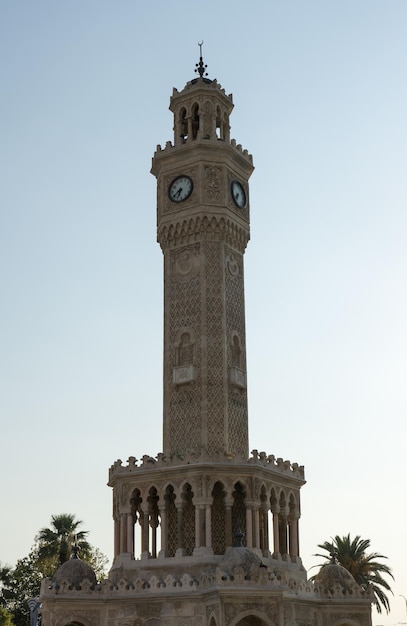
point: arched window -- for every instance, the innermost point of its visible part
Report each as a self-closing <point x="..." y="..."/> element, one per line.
<point x="282" y="524"/>
<point x="183" y="123"/>
<point x="251" y="620"/>
<point x="219" y="128"/>
<point x="195" y="121"/>
<point x="153" y="519"/>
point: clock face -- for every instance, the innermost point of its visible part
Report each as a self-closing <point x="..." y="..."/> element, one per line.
<point x="238" y="194"/>
<point x="180" y="188"/>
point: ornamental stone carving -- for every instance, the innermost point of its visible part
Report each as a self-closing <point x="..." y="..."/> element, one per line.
<point x="213" y="185"/>
<point x="186" y="264"/>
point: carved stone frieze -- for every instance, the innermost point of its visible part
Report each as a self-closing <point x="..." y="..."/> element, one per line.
<point x="257" y="608"/>
<point x="77" y="615"/>
<point x="199" y="227"/>
<point x="345" y="616"/>
<point x="186" y="264"/>
<point x="232" y="264"/>
<point x="213" y="184"/>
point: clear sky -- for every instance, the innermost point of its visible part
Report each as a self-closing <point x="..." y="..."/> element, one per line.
<point x="320" y="97"/>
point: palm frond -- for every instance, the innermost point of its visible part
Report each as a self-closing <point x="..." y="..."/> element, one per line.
<point x="365" y="568"/>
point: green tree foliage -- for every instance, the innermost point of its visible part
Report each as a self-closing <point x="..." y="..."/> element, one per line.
<point x="365" y="569"/>
<point x="58" y="540"/>
<point x="5" y="618"/>
<point x="22" y="582"/>
<point x="19" y="584"/>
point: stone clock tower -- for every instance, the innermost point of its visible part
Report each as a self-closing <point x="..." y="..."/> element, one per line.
<point x="205" y="534"/>
<point x="203" y="230"/>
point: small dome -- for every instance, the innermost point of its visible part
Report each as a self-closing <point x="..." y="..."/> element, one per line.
<point x="74" y="573"/>
<point x="240" y="557"/>
<point x="333" y="574"/>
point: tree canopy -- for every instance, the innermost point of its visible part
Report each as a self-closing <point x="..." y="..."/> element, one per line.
<point x="364" y="567"/>
<point x="52" y="547"/>
<point x="57" y="541"/>
<point x="5" y="618"/>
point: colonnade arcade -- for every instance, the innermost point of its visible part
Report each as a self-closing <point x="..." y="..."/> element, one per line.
<point x="174" y="520"/>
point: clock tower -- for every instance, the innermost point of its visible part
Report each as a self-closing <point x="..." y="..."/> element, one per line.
<point x="205" y="534"/>
<point x="203" y="228"/>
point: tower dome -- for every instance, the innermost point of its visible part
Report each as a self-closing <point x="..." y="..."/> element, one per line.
<point x="240" y="557"/>
<point x="333" y="574"/>
<point x="73" y="573"/>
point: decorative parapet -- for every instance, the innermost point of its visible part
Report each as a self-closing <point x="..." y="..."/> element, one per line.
<point x="161" y="461"/>
<point x="207" y="84"/>
<point x="170" y="147"/>
<point x="339" y="591"/>
<point x="262" y="458"/>
<point x="157" y="583"/>
<point x="166" y="583"/>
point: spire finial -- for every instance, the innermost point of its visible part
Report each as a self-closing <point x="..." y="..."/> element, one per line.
<point x="75" y="550"/>
<point x="200" y="67"/>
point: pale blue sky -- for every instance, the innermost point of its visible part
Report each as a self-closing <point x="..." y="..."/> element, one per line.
<point x="320" y="101"/>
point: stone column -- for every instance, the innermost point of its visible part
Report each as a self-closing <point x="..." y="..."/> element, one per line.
<point x="293" y="537"/>
<point x="153" y="525"/>
<point x="282" y="527"/>
<point x="249" y="526"/>
<point x="198" y="516"/>
<point x="130" y="534"/>
<point x="116" y="537"/>
<point x="256" y="521"/>
<point x="145" y="531"/>
<point x="180" y="528"/>
<point x="208" y="526"/>
<point x="229" y="540"/>
<point x="164" y="531"/>
<point x="266" y="538"/>
<point x="123" y="533"/>
<point x="276" y="536"/>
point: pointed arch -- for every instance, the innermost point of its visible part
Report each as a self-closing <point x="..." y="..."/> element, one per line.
<point x="74" y="620"/>
<point x="282" y="524"/>
<point x="183" y="125"/>
<point x="212" y="621"/>
<point x="264" y="521"/>
<point x="195" y="120"/>
<point x="153" y="514"/>
<point x="252" y="618"/>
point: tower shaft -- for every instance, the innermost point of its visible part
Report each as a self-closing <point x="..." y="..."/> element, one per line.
<point x="203" y="234"/>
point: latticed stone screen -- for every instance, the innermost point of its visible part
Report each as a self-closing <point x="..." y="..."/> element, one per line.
<point x="183" y="408"/>
<point x="215" y="338"/>
<point x="188" y="520"/>
<point x="172" y="526"/>
<point x="218" y="511"/>
<point x="238" y="511"/>
<point x="235" y="323"/>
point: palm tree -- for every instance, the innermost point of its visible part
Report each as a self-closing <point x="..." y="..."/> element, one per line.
<point x="352" y="555"/>
<point x="56" y="543"/>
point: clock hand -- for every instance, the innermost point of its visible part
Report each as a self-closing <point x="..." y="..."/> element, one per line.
<point x="178" y="192"/>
